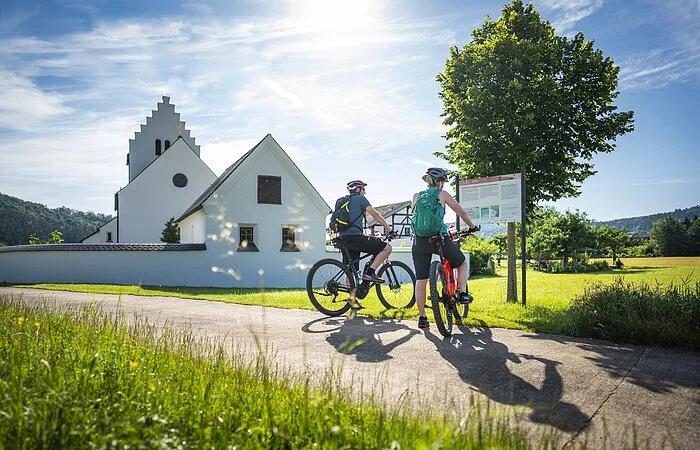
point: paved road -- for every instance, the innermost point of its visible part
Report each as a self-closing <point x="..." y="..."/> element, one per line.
<point x="575" y="386"/>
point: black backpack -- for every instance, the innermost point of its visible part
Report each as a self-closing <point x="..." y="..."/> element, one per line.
<point x="340" y="219"/>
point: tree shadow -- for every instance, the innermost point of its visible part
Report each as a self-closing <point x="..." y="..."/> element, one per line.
<point x="656" y="369"/>
<point x="349" y="336"/>
<point x="481" y="362"/>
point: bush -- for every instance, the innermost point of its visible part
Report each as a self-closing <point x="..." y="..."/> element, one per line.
<point x="638" y="314"/>
<point x="480" y="253"/>
<point x="576" y="267"/>
<point x="640" y="251"/>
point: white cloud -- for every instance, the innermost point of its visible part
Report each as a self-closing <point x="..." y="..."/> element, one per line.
<point x="23" y="106"/>
<point x="567" y="13"/>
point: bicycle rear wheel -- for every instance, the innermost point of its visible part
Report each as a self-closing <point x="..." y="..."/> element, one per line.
<point x="439" y="298"/>
<point x="460" y="311"/>
<point x="398" y="289"/>
<point x="329" y="285"/>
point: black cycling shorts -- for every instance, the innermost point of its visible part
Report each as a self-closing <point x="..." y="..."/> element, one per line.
<point x="358" y="243"/>
<point x="423" y="251"/>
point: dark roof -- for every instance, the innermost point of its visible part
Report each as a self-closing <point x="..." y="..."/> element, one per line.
<point x="388" y="210"/>
<point x="104" y="248"/>
<point x="218" y="182"/>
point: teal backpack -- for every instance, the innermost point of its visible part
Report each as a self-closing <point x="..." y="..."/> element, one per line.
<point x="427" y="214"/>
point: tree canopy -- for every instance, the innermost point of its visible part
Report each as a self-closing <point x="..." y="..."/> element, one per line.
<point x="519" y="94"/>
<point x="20" y="218"/>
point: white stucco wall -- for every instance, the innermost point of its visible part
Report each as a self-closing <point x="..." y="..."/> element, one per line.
<point x="102" y="234"/>
<point x="164" y="124"/>
<point x="236" y="204"/>
<point x="151" y="199"/>
<point x="193" y="228"/>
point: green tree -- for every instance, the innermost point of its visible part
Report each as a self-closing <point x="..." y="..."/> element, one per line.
<point x="694" y="237"/>
<point x="520" y="95"/>
<point x="55" y="237"/>
<point x="544" y="235"/>
<point x="171" y="232"/>
<point x="670" y="237"/>
<point x="613" y="239"/>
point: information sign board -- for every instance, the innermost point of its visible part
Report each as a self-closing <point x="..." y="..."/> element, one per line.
<point x="494" y="199"/>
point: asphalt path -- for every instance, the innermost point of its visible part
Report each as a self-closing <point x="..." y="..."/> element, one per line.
<point x="589" y="391"/>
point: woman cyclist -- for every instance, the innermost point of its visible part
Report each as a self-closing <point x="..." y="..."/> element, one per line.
<point x="423" y="249"/>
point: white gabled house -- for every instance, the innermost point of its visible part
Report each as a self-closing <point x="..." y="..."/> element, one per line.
<point x="263" y="210"/>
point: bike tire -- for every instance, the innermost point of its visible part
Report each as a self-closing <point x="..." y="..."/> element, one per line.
<point x="328" y="280"/>
<point x="460" y="312"/>
<point x="399" y="287"/>
<point x="441" y="313"/>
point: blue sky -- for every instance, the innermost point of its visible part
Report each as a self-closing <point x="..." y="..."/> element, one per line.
<point x="347" y="88"/>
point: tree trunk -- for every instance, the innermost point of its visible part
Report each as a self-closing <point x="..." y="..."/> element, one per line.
<point x="512" y="295"/>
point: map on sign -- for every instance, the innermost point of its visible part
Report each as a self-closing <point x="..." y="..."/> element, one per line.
<point x="494" y="199"/>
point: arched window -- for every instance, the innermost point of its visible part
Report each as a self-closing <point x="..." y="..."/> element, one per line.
<point x="167" y="145"/>
<point x="158" y="147"/>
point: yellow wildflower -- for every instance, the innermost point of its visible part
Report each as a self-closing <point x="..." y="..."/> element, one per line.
<point x="20" y="320"/>
<point x="152" y="387"/>
<point x="134" y="364"/>
<point x="37" y="324"/>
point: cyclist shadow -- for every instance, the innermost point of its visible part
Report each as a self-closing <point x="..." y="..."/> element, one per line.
<point x="481" y="362"/>
<point x="353" y="337"/>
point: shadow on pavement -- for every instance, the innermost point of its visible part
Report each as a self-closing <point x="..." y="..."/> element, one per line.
<point x="656" y="369"/>
<point x="349" y="336"/>
<point x="481" y="362"/>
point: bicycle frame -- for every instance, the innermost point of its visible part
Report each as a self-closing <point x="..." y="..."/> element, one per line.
<point x="450" y="272"/>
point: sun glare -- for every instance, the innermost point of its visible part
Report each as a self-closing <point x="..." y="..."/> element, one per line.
<point x="337" y="22"/>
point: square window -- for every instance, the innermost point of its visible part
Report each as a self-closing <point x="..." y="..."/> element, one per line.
<point x="269" y="189"/>
<point x="289" y="240"/>
<point x="246" y="242"/>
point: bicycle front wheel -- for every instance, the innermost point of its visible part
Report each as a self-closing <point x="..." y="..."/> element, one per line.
<point x="398" y="289"/>
<point x="439" y="298"/>
<point x="329" y="285"/>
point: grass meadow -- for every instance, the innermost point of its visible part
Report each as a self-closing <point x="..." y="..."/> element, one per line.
<point x="84" y="379"/>
<point x="550" y="300"/>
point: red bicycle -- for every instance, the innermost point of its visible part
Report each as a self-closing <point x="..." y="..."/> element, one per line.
<point x="443" y="287"/>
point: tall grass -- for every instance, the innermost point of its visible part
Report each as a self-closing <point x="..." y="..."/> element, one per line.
<point x="665" y="315"/>
<point x="85" y="379"/>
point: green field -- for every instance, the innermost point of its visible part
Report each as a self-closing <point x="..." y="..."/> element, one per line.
<point x="549" y="296"/>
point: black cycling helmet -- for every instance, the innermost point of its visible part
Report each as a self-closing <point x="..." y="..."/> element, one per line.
<point x="355" y="184"/>
<point x="437" y="173"/>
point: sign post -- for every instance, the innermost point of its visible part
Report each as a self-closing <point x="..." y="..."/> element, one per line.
<point x="496" y="199"/>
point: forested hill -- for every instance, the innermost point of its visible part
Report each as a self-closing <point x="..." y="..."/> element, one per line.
<point x="644" y="223"/>
<point x="18" y="218"/>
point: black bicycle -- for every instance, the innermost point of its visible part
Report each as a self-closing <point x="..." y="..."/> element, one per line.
<point x="442" y="279"/>
<point x="333" y="286"/>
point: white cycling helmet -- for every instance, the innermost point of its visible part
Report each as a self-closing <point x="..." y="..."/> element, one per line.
<point x="355" y="184"/>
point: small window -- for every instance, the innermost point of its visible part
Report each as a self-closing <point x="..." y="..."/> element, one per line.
<point x="289" y="241"/>
<point x="269" y="190"/>
<point x="158" y="150"/>
<point x="167" y="145"/>
<point x="247" y="239"/>
<point x="109" y="236"/>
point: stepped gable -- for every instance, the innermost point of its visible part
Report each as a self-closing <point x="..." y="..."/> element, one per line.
<point x="164" y="107"/>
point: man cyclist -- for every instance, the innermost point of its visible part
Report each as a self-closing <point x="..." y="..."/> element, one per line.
<point x="423" y="250"/>
<point x="354" y="238"/>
